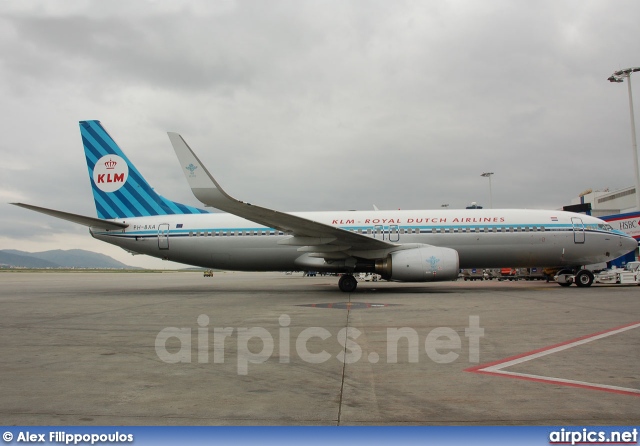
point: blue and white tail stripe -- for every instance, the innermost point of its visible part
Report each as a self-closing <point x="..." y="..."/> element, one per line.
<point x="119" y="190"/>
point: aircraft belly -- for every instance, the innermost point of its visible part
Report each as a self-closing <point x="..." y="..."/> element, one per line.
<point x="496" y="250"/>
<point x="239" y="255"/>
<point x="536" y="249"/>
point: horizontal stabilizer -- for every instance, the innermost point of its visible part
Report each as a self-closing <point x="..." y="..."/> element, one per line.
<point x="75" y="218"/>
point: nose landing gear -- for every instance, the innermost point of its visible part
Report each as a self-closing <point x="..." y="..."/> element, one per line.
<point x="583" y="278"/>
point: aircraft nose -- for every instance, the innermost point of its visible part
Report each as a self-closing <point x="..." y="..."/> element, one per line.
<point x="629" y="244"/>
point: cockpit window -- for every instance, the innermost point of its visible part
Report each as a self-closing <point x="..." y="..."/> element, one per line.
<point x="605" y="227"/>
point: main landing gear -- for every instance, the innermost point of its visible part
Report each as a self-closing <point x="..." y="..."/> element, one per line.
<point x="347" y="283"/>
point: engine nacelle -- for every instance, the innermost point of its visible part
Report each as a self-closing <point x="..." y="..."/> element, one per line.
<point x="425" y="264"/>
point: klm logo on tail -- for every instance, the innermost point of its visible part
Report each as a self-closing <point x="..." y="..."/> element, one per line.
<point x="119" y="190"/>
<point x="110" y="173"/>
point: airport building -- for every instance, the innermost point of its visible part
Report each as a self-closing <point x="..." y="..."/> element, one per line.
<point x="604" y="203"/>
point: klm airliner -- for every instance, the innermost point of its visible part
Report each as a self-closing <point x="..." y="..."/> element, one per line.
<point x="408" y="245"/>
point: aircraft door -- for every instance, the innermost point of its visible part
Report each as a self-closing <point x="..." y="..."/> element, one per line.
<point x="578" y="230"/>
<point x="378" y="231"/>
<point x="163" y="236"/>
<point x="394" y="234"/>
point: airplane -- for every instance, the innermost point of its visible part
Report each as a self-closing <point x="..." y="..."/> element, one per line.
<point x="400" y="245"/>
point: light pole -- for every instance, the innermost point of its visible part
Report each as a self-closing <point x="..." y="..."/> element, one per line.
<point x="488" y="175"/>
<point x="619" y="76"/>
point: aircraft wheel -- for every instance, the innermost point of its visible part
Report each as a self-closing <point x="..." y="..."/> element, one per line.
<point x="584" y="278"/>
<point x="347" y="283"/>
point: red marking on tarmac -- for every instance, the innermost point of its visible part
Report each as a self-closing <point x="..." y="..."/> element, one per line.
<point x="496" y="368"/>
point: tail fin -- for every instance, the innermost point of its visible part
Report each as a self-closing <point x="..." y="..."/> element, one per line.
<point x="119" y="190"/>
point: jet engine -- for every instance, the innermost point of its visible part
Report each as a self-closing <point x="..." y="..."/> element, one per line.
<point x="424" y="264"/>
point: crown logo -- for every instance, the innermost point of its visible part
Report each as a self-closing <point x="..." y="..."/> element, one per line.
<point x="191" y="168"/>
<point x="111" y="164"/>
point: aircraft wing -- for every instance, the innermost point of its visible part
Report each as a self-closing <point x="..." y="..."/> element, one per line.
<point x="75" y="218"/>
<point x="306" y="232"/>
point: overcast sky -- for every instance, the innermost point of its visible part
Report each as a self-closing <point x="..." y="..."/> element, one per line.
<point x="315" y="105"/>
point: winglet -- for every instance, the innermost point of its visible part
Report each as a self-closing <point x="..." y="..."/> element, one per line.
<point x="203" y="185"/>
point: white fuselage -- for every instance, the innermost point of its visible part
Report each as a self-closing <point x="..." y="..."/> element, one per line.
<point x="482" y="238"/>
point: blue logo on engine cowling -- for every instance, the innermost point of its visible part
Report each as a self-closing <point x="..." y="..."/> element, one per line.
<point x="433" y="261"/>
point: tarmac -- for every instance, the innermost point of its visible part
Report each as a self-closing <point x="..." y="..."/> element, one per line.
<point x="178" y="348"/>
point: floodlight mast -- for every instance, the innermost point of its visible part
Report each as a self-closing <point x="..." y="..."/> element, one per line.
<point x="488" y="175"/>
<point x="617" y="77"/>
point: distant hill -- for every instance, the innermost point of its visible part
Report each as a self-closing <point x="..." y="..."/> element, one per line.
<point x="8" y="258"/>
<point x="72" y="258"/>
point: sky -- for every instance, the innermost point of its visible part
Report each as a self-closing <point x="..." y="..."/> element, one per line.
<point x="308" y="105"/>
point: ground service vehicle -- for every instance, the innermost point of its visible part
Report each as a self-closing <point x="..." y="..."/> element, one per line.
<point x="473" y="274"/>
<point x="628" y="275"/>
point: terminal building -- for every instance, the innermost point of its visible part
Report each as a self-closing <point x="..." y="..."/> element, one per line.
<point x="605" y="203"/>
